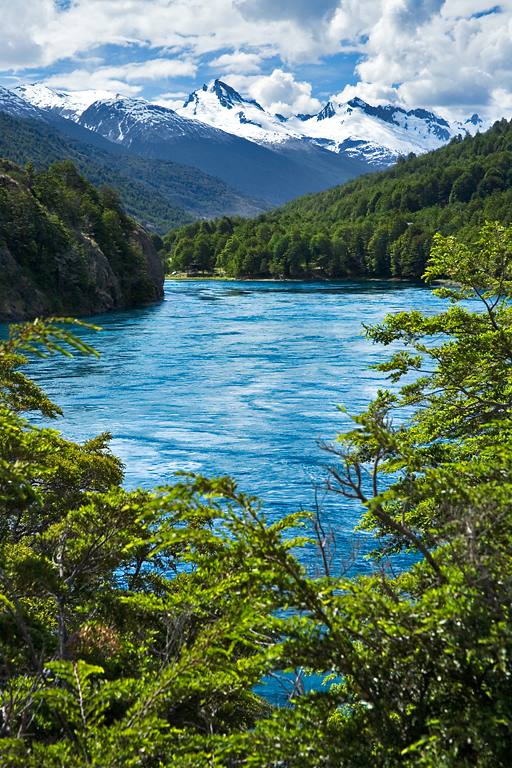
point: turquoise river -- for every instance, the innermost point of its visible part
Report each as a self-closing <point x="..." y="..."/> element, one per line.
<point x="236" y="378"/>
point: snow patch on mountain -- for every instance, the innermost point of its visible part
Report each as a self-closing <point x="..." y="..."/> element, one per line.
<point x="70" y="105"/>
<point x="13" y="104"/>
<point x="119" y="118"/>
<point x="221" y="106"/>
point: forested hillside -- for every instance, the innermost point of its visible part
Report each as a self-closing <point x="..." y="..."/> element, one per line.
<point x="159" y="194"/>
<point x="379" y="225"/>
<point x="66" y="247"/>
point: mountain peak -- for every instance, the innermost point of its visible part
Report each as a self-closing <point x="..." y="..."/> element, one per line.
<point x="387" y="112"/>
<point x="379" y="133"/>
<point x="14" y="104"/>
<point x="327" y="112"/>
<point x="359" y="103"/>
<point x="418" y="121"/>
<point x="220" y="105"/>
<point x="68" y="104"/>
<point x="225" y="95"/>
<point x="132" y="108"/>
<point x="228" y="96"/>
<point x="33" y="90"/>
<point x="474" y="120"/>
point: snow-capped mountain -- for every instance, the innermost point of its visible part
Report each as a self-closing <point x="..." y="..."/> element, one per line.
<point x="70" y="105"/>
<point x="12" y="104"/>
<point x="377" y="135"/>
<point x="373" y="135"/>
<point x="380" y="133"/>
<point x="268" y="157"/>
<point x="124" y="120"/>
<point x="267" y="175"/>
<point x="221" y="106"/>
<point x="473" y="124"/>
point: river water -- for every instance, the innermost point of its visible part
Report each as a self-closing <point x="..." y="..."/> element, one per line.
<point x="235" y="378"/>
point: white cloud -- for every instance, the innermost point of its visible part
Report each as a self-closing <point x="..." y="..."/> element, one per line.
<point x="85" y="80"/>
<point x="238" y="62"/>
<point x="278" y="92"/>
<point x="451" y="55"/>
<point x="152" y="69"/>
<point x="204" y="26"/>
<point x="171" y="99"/>
<point x="353" y="19"/>
<point x="21" y="23"/>
<point x="126" y="79"/>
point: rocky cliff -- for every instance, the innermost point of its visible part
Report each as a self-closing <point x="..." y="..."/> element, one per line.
<point x="67" y="248"/>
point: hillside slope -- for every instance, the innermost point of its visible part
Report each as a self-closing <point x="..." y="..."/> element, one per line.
<point x="66" y="248"/>
<point x="158" y="194"/>
<point x="261" y="173"/>
<point x="379" y="225"/>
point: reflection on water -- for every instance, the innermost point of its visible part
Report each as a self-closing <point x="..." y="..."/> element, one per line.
<point x="238" y="378"/>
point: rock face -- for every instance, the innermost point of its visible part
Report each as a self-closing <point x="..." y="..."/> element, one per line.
<point x="67" y="249"/>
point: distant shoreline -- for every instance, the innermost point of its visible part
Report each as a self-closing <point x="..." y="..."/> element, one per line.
<point x="218" y="278"/>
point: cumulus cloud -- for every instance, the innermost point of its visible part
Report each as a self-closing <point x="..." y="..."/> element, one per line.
<point x="86" y="80"/>
<point x="171" y="99"/>
<point x="205" y="26"/>
<point x="278" y="92"/>
<point x="20" y="45"/>
<point x="353" y="20"/>
<point x="238" y="62"/>
<point x="126" y="79"/>
<point x="451" y="55"/>
<point x="152" y="69"/>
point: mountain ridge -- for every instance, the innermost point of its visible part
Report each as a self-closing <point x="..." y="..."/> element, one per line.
<point x="158" y="194"/>
<point x="354" y="127"/>
<point x="376" y="134"/>
<point x="158" y="133"/>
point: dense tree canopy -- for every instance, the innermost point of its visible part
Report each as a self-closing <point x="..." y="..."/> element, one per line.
<point x="134" y="625"/>
<point x="380" y="225"/>
<point x="66" y="246"/>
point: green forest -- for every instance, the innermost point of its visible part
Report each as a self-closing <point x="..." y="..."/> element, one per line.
<point x="67" y="247"/>
<point x="380" y="225"/>
<point x="135" y="625"/>
<point x="159" y="194"/>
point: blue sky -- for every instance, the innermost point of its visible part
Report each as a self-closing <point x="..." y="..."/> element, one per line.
<point x="454" y="56"/>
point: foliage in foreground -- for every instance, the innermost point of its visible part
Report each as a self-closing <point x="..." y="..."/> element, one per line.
<point x="134" y="626"/>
